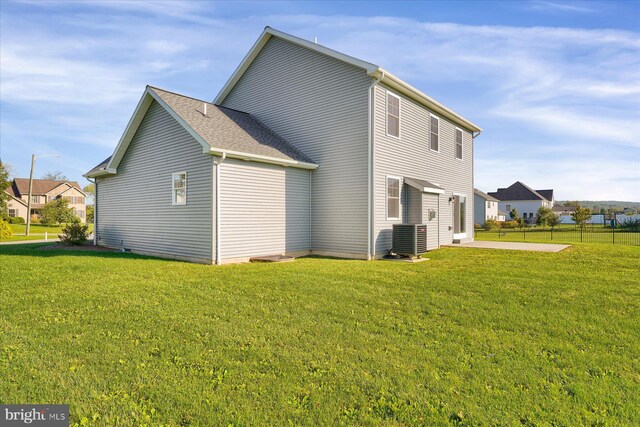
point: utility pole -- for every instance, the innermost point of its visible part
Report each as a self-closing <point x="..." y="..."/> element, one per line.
<point x="33" y="159"/>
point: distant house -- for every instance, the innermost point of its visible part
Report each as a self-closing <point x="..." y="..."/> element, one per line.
<point x="42" y="192"/>
<point x="305" y="150"/>
<point x="484" y="207"/>
<point x="564" y="210"/>
<point x="524" y="199"/>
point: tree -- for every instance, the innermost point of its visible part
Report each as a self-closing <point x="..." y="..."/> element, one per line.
<point x="56" y="211"/>
<point x="521" y="222"/>
<point x="553" y="220"/>
<point x="543" y="215"/>
<point x="581" y="215"/>
<point x="90" y="211"/>
<point x="513" y="213"/>
<point x="54" y="176"/>
<point x="4" y="184"/>
<point x="90" y="190"/>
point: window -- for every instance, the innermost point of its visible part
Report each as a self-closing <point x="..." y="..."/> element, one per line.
<point x="459" y="214"/>
<point x="433" y="133"/>
<point x="393" y="115"/>
<point x="80" y="213"/>
<point x="12" y="213"/>
<point x="35" y="199"/>
<point x="458" y="144"/>
<point x="508" y="208"/>
<point x="393" y="197"/>
<point x="179" y="188"/>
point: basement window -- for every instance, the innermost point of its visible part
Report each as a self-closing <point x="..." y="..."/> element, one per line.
<point x="393" y="197"/>
<point x="179" y="188"/>
<point x="393" y="115"/>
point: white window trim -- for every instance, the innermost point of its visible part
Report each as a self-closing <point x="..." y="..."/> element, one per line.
<point x="386" y="114"/>
<point x="173" y="190"/>
<point x="386" y="197"/>
<point x="438" y="119"/>
<point x="460" y="235"/>
<point x="455" y="145"/>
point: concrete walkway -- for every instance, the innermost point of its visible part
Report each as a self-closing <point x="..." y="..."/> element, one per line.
<point x="512" y="246"/>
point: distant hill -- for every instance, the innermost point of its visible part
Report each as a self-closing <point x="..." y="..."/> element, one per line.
<point x="597" y="205"/>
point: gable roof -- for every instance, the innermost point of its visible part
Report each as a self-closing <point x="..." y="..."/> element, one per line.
<point x="372" y="70"/>
<point x="221" y="131"/>
<point x="20" y="186"/>
<point x="547" y="194"/>
<point x="484" y="195"/>
<point x="518" y="191"/>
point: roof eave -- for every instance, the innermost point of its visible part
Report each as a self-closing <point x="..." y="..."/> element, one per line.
<point x="410" y="91"/>
<point x="263" y="159"/>
<point x="100" y="172"/>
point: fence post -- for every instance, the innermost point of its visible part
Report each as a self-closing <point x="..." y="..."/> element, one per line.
<point x="580" y="234"/>
<point x="552" y="234"/>
<point x="613" y="234"/>
<point x="46" y="236"/>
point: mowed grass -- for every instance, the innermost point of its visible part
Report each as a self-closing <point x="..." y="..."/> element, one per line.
<point x="36" y="232"/>
<point x="567" y="234"/>
<point x="470" y="337"/>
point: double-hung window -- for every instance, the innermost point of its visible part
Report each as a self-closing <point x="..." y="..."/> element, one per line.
<point x="393" y="197"/>
<point x="458" y="144"/>
<point x="393" y="115"/>
<point x="179" y="188"/>
<point x="434" y="133"/>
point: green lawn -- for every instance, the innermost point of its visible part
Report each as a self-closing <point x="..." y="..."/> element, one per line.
<point x="470" y="337"/>
<point x="36" y="232"/>
<point x="562" y="234"/>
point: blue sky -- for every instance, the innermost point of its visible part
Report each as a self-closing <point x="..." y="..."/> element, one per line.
<point x="555" y="85"/>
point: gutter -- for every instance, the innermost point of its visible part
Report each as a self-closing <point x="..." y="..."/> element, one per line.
<point x="218" y="163"/>
<point x="370" y="176"/>
<point x="262" y="159"/>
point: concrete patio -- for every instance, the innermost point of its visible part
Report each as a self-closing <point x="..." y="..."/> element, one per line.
<point x="512" y="246"/>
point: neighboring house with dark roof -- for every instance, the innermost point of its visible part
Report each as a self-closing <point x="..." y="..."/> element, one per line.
<point x="484" y="207"/>
<point x="42" y="192"/>
<point x="305" y="150"/>
<point x="564" y="210"/>
<point x="524" y="199"/>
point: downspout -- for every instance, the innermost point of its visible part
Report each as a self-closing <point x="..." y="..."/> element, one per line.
<point x="218" y="163"/>
<point x="371" y="253"/>
<point x="473" y="180"/>
<point x="95" y="210"/>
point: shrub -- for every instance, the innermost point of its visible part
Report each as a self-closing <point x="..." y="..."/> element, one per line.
<point x="491" y="224"/>
<point x="74" y="234"/>
<point x="509" y="224"/>
<point x="630" y="224"/>
<point x="5" y="230"/>
<point x="16" y="220"/>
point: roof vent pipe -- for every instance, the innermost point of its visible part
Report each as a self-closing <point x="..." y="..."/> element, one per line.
<point x="205" y="108"/>
<point x="315" y="40"/>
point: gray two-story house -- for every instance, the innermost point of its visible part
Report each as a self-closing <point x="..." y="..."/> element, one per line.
<point x="305" y="150"/>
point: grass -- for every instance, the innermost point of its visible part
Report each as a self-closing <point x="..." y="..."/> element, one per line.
<point x="36" y="232"/>
<point x="563" y="234"/>
<point x="470" y="337"/>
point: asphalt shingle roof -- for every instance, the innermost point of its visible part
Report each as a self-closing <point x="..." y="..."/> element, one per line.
<point x="519" y="191"/>
<point x="40" y="187"/>
<point x="485" y="195"/>
<point x="227" y="129"/>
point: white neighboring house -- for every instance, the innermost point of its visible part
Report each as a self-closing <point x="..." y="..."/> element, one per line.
<point x="524" y="199"/>
<point x="485" y="207"/>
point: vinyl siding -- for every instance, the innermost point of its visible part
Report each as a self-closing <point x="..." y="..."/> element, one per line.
<point x="264" y="209"/>
<point x="134" y="206"/>
<point x="319" y="105"/>
<point x="410" y="156"/>
<point x="479" y="210"/>
<point x="417" y="208"/>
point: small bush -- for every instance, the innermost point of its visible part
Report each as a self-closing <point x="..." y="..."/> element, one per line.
<point x="74" y="234"/>
<point x="509" y="224"/>
<point x="5" y="230"/>
<point x="630" y="224"/>
<point x="491" y="224"/>
<point x="16" y="220"/>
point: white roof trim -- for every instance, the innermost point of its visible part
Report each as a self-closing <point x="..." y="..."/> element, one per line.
<point x="143" y="106"/>
<point x="264" y="38"/>
<point x="415" y="183"/>
<point x="372" y="70"/>
<point x="16" y="199"/>
<point x="262" y="159"/>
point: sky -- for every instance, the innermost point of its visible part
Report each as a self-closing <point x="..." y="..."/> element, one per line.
<point x="554" y="84"/>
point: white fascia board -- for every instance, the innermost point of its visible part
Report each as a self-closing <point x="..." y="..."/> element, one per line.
<point x="262" y="159"/>
<point x="413" y="93"/>
<point x="262" y="41"/>
<point x="422" y="188"/>
<point x="100" y="172"/>
<point x="22" y="202"/>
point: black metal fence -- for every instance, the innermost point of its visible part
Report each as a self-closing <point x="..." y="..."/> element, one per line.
<point x="588" y="234"/>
